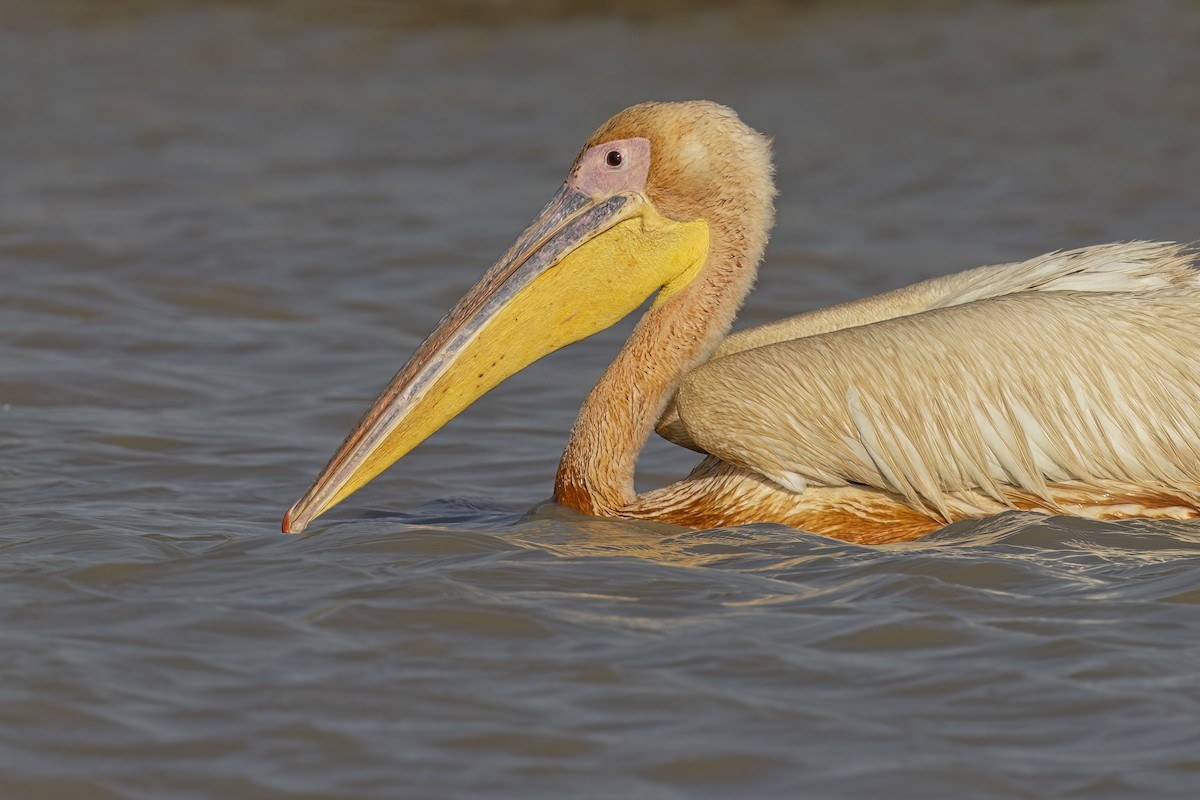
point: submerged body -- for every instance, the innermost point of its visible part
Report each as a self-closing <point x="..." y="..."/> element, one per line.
<point x="1064" y="383"/>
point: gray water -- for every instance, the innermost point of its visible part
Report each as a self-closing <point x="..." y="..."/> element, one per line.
<point x="223" y="227"/>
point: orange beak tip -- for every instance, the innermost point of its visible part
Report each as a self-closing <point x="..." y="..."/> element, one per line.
<point x="287" y="526"/>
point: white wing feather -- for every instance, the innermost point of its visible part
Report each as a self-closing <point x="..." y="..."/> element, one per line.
<point x="1087" y="372"/>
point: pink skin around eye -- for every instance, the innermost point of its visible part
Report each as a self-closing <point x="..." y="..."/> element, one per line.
<point x="593" y="176"/>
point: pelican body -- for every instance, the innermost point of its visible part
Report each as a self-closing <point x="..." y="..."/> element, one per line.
<point x="1065" y="384"/>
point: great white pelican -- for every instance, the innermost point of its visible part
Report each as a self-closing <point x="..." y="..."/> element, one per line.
<point x="1068" y="384"/>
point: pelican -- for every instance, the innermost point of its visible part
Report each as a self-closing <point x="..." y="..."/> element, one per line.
<point x="1066" y="384"/>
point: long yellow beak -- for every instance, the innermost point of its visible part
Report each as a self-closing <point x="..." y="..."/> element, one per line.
<point x="590" y="258"/>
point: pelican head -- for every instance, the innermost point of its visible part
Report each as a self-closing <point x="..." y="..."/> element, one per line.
<point x="649" y="197"/>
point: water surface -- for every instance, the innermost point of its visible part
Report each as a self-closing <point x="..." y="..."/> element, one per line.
<point x="224" y="226"/>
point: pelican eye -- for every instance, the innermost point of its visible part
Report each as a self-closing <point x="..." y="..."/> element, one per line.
<point x="614" y="158"/>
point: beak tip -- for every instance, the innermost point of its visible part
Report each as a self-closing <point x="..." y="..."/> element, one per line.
<point x="290" y="527"/>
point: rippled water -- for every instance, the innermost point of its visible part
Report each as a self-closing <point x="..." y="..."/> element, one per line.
<point x="222" y="228"/>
